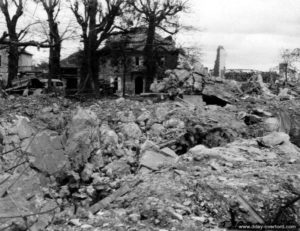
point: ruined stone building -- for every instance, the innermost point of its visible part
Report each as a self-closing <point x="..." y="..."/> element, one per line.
<point x="122" y="58"/>
<point x="219" y="69"/>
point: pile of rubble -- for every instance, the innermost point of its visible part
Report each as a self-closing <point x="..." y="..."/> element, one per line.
<point x="138" y="165"/>
<point x="185" y="78"/>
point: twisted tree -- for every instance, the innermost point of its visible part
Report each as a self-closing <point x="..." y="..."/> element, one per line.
<point x="13" y="38"/>
<point x="52" y="8"/>
<point x="97" y="20"/>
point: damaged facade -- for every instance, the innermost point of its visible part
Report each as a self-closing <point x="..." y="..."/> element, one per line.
<point x="122" y="59"/>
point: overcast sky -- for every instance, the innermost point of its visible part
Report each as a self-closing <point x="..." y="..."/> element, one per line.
<point x="252" y="31"/>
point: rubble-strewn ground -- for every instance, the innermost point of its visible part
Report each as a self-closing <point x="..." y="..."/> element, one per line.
<point x="140" y="164"/>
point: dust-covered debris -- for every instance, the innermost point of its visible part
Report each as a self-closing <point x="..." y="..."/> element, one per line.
<point x="133" y="164"/>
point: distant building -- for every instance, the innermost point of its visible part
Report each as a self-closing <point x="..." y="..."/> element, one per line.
<point x="244" y="75"/>
<point x="219" y="69"/>
<point x="70" y="71"/>
<point x="25" y="63"/>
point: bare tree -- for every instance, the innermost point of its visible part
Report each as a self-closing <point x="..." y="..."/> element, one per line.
<point x="289" y="57"/>
<point x="55" y="35"/>
<point x="97" y="21"/>
<point x="52" y="8"/>
<point x="13" y="39"/>
<point x="194" y="54"/>
<point x="157" y="14"/>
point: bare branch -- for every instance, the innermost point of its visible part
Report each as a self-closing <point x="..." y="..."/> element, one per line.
<point x="168" y="31"/>
<point x="44" y="44"/>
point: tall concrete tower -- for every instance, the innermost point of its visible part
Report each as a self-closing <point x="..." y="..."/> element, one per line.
<point x="219" y="69"/>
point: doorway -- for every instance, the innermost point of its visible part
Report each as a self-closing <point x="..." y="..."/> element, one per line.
<point x="139" y="85"/>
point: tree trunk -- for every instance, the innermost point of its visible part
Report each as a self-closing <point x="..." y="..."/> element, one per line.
<point x="83" y="85"/>
<point x="149" y="51"/>
<point x="55" y="49"/>
<point x="124" y="76"/>
<point x="54" y="69"/>
<point x="92" y="47"/>
<point x="54" y="59"/>
<point x="13" y="64"/>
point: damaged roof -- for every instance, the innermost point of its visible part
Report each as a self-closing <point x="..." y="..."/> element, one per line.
<point x="132" y="41"/>
<point x="135" y="40"/>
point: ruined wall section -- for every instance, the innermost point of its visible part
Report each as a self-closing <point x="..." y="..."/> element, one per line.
<point x="219" y="68"/>
<point x="111" y="68"/>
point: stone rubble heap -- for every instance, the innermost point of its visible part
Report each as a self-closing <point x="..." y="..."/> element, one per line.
<point x="138" y="165"/>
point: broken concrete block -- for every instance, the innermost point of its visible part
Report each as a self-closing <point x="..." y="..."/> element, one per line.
<point x="53" y="121"/>
<point x="198" y="68"/>
<point x="22" y="128"/>
<point x="38" y="92"/>
<point x="146" y="115"/>
<point x="155" y="160"/>
<point x="120" y="100"/>
<point x="272" y="124"/>
<point x="82" y="119"/>
<point x="131" y="131"/>
<point x="79" y="147"/>
<point x="125" y="116"/>
<point x="82" y="137"/>
<point x="97" y="159"/>
<point x="108" y="136"/>
<point x="169" y="152"/>
<point x="161" y="113"/>
<point x="118" y="168"/>
<point x="157" y="129"/>
<point x="218" y="94"/>
<point x="48" y="152"/>
<point x="199" y="150"/>
<point x="275" y="138"/>
<point x="149" y="145"/>
<point x="182" y="74"/>
<point x="87" y="172"/>
<point x="174" y="123"/>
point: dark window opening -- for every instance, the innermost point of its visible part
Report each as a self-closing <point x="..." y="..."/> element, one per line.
<point x="139" y="85"/>
<point x="137" y="61"/>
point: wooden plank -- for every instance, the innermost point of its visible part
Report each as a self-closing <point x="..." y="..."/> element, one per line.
<point x="251" y="211"/>
<point x="115" y="195"/>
